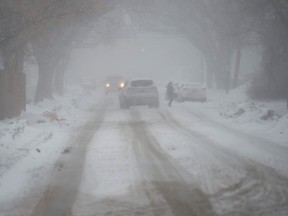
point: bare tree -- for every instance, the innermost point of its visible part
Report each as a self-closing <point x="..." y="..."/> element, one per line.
<point x="272" y="80"/>
<point x="54" y="40"/>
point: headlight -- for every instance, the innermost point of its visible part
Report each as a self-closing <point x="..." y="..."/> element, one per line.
<point x="121" y="85"/>
<point x="107" y="85"/>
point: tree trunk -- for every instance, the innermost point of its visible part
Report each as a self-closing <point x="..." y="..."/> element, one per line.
<point x="45" y="82"/>
<point x="210" y="70"/>
<point x="59" y="80"/>
<point x="237" y="66"/>
<point x="19" y="60"/>
<point x="224" y="63"/>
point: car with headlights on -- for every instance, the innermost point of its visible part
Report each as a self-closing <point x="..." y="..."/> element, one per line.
<point x="113" y="84"/>
<point x="192" y="91"/>
<point x="138" y="92"/>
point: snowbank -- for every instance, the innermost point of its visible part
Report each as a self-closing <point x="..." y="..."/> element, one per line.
<point x="266" y="118"/>
<point x="41" y="123"/>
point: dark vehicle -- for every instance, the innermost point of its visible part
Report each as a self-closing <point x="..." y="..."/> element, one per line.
<point x="113" y="84"/>
<point x="137" y="92"/>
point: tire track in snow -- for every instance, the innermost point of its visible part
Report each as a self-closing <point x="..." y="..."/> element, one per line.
<point x="63" y="188"/>
<point x="263" y="191"/>
<point x="161" y="175"/>
<point x="267" y="148"/>
<point x="200" y="144"/>
<point x="106" y="180"/>
<point x="204" y="168"/>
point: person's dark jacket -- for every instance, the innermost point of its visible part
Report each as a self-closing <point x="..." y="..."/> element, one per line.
<point x="170" y="90"/>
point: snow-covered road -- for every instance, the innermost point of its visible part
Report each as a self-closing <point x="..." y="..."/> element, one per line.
<point x="168" y="161"/>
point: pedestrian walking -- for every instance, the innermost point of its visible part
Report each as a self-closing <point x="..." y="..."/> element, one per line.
<point x="170" y="93"/>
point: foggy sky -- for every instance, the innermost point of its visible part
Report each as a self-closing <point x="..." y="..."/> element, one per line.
<point x="159" y="57"/>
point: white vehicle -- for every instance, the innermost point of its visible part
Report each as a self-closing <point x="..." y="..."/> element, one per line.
<point x="137" y="92"/>
<point x="191" y="91"/>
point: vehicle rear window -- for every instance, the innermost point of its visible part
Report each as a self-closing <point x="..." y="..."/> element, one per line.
<point x="141" y="83"/>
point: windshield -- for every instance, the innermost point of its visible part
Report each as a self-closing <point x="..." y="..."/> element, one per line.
<point x="141" y="83"/>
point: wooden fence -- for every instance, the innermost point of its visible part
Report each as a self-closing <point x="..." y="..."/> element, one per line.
<point x="12" y="94"/>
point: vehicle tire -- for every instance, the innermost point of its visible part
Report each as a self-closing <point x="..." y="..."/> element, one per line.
<point x="154" y="105"/>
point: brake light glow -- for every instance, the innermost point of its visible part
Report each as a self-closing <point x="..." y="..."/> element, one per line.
<point x="107" y="85"/>
<point x="122" y="85"/>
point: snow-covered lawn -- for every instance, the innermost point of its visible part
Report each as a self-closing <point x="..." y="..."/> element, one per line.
<point x="268" y="119"/>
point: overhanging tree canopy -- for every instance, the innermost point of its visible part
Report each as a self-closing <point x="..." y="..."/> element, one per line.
<point x="216" y="28"/>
